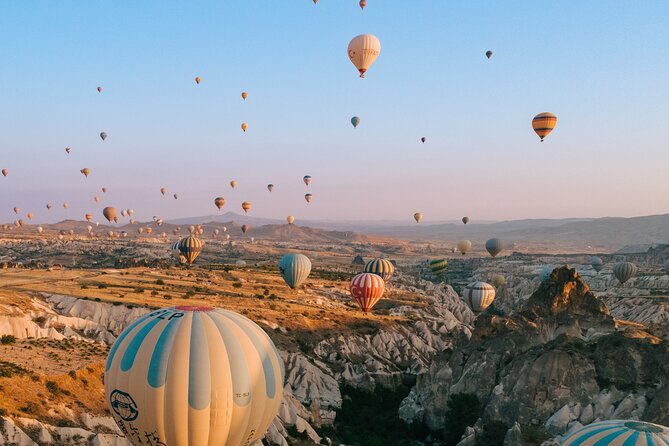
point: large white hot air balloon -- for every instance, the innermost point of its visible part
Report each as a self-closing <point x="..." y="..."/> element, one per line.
<point x="478" y="296"/>
<point x="363" y="51"/>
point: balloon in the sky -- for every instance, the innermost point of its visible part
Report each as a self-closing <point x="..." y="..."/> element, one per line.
<point x="233" y="184"/>
<point x="423" y="139"/>
<point x="131" y="212"/>
<point x="115" y="219"/>
<point x="543" y="124"/>
<point x="363" y="51"/>
<point x="597" y="264"/>
<point x="362" y="4"/>
<point x="355" y="121"/>
<point x="163" y="190"/>
<point x="86" y="171"/>
<point x="99" y="89"/>
<point x="16" y="210"/>
<point x="246" y="206"/>
<point x="103" y="135"/>
<point x="219" y="202"/>
<point x="270" y="187"/>
<point x="624" y="271"/>
<point x="381" y="267"/>
<point x="48" y="206"/>
<point x="190" y="247"/>
<point x="88" y="217"/>
<point x="290" y="219"/>
<point x="197" y="80"/>
<point x="464" y="246"/>
<point x="488" y="54"/>
<point x="245" y="228"/>
<point x="67" y="150"/>
<point x="245" y="126"/>
<point x="5" y="172"/>
<point x="40" y="229"/>
<point x="104" y="190"/>
<point x="308" y="197"/>
<point x="89" y="228"/>
<point x="465" y="220"/>
<point x="307" y="179"/>
<point x="478" y="296"/>
<point x="418" y="216"/>
<point x="244" y="95"/>
<point x="124" y="213"/>
<point x="29" y="215"/>
<point x="97" y="199"/>
<point x="294" y="269"/>
<point x="494" y="246"/>
<point x="176" y="196"/>
<point x="618" y="432"/>
<point x="367" y="289"/>
<point x="193" y="376"/>
<point x="438" y="266"/>
<point x="216" y="232"/>
<point x="150" y="231"/>
<point x="109" y="213"/>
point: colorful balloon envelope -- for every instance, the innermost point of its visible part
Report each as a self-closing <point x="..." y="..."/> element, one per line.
<point x="290" y="219"/>
<point x="494" y="246"/>
<point x="5" y="172"/>
<point x="619" y="432"/>
<point x="367" y="289"/>
<point x="597" y="264"/>
<point x="244" y="95"/>
<point x="478" y="296"/>
<point x="381" y="267"/>
<point x="245" y="127"/>
<point x="270" y="187"/>
<point x="197" y="80"/>
<point x="233" y="184"/>
<point x="86" y="171"/>
<point x="307" y="179"/>
<point x="363" y="51"/>
<point x="438" y="266"/>
<point x="308" y="197"/>
<point x="294" y="268"/>
<point x="362" y="4"/>
<point x="88" y="217"/>
<point x="245" y="228"/>
<point x="193" y="376"/>
<point x="464" y="246"/>
<point x="418" y="216"/>
<point x="543" y="124"/>
<point x="67" y="150"/>
<point x="219" y="202"/>
<point x="624" y="271"/>
<point x="246" y="206"/>
<point x="109" y="213"/>
<point x="355" y="121"/>
<point x="190" y="247"/>
<point x="99" y="89"/>
<point x="163" y="190"/>
<point x="30" y="216"/>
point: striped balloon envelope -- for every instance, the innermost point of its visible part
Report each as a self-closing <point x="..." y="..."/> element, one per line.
<point x="380" y="267"/>
<point x="190" y="247"/>
<point x="294" y="269"/>
<point x="478" y="295"/>
<point x="438" y="266"/>
<point x="543" y="124"/>
<point x="619" y="432"/>
<point x="367" y="289"/>
<point x="624" y="271"/>
<point x="193" y="376"/>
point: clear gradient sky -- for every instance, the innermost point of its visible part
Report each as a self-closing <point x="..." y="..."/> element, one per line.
<point x="601" y="66"/>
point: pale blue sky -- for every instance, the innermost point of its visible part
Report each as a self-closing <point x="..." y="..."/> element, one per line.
<point x="601" y="66"/>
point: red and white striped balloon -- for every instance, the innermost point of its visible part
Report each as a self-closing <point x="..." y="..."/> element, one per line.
<point x="367" y="289"/>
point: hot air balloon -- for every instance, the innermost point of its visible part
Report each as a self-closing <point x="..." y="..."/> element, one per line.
<point x="244" y="95"/>
<point x="545" y="272"/>
<point x="423" y="139"/>
<point x="219" y="202"/>
<point x="176" y="196"/>
<point x="190" y="247"/>
<point x="245" y="228"/>
<point x="86" y="171"/>
<point x="367" y="289"/>
<point x="362" y="4"/>
<point x="488" y="54"/>
<point x="89" y="228"/>
<point x="246" y="206"/>
<point x="48" y="206"/>
<point x="104" y="190"/>
<point x="109" y="213"/>
<point x="131" y="212"/>
<point x="381" y="267"/>
<point x="245" y="126"/>
<point x="67" y="150"/>
<point x="103" y="135"/>
<point x="5" y="172"/>
<point x="315" y="1"/>
<point x="65" y="205"/>
<point x="543" y="124"/>
<point x="124" y="213"/>
<point x="438" y="266"/>
<point x="418" y="216"/>
<point x="597" y="264"/>
<point x="619" y="432"/>
<point x="30" y="216"/>
<point x="16" y="210"/>
<point x="465" y="220"/>
<point x="115" y="219"/>
<point x="99" y="89"/>
<point x="290" y="219"/>
<point x="624" y="271"/>
<point x="193" y="376"/>
<point x="163" y="190"/>
<point x="294" y="269"/>
<point x="494" y="246"/>
<point x="270" y="187"/>
<point x="40" y="229"/>
<point x="355" y="121"/>
<point x="20" y="222"/>
<point x="233" y="184"/>
<point x="216" y="232"/>
<point x="88" y="217"/>
<point x="140" y="230"/>
<point x="307" y="179"/>
<point x="363" y="51"/>
<point x="197" y="80"/>
<point x="464" y="246"/>
<point x="308" y="197"/>
<point x="97" y="199"/>
<point x="478" y="296"/>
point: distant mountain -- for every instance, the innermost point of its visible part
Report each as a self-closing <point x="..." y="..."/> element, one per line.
<point x="226" y="217"/>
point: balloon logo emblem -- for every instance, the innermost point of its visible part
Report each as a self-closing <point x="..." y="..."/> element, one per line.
<point x="123" y="405"/>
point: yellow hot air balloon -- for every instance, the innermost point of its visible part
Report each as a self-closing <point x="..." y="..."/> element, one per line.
<point x="197" y="80"/>
<point x="418" y="216"/>
<point x="244" y="126"/>
<point x="16" y="210"/>
<point x="363" y="51"/>
<point x="233" y="184"/>
<point x="86" y="171"/>
<point x="543" y="124"/>
<point x="290" y="219"/>
<point x="163" y="190"/>
<point x="89" y="217"/>
<point x="109" y="213"/>
<point x="244" y="95"/>
<point x="65" y="205"/>
<point x="464" y="246"/>
<point x="30" y="216"/>
<point x="246" y="206"/>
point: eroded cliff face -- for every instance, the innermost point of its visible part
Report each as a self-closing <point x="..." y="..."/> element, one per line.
<point x="560" y="348"/>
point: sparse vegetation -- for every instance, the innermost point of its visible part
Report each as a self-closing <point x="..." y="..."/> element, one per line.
<point x="7" y="339"/>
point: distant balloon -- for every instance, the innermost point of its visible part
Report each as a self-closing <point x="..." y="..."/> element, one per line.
<point x="423" y="139"/>
<point x="176" y="196"/>
<point x="367" y="289"/>
<point x="65" y="205"/>
<point x="5" y="172"/>
<point x="97" y="199"/>
<point x="163" y="190"/>
<point x="618" y="432"/>
<point x="115" y="219"/>
<point x="478" y="296"/>
<point x="86" y="171"/>
<point x="308" y="197"/>
<point x="88" y="217"/>
<point x="543" y="124"/>
<point x="131" y="212"/>
<point x="355" y="121"/>
<point x="16" y="210"/>
<point x="89" y="228"/>
<point x="109" y="213"/>
<point x="290" y="219"/>
<point x="30" y="216"/>
<point x="197" y="80"/>
<point x="494" y="246"/>
<point x="190" y="247"/>
<point x="99" y="89"/>
<point x="363" y="51"/>
<point x="245" y="126"/>
<point x="216" y="232"/>
<point x="307" y="179"/>
<point x="233" y="184"/>
<point x="103" y="135"/>
<point x="597" y="264"/>
<point x="225" y="229"/>
<point x="270" y="187"/>
<point x="124" y="213"/>
<point x="48" y="206"/>
<point x="464" y="246"/>
<point x="149" y="231"/>
<point x="381" y="267"/>
<point x="246" y="206"/>
<point x="418" y="216"/>
<point x="294" y="269"/>
<point x="624" y="271"/>
<point x="219" y="202"/>
<point x="438" y="266"/>
<point x="245" y="228"/>
<point x="244" y="95"/>
<point x="40" y="229"/>
<point x="465" y="220"/>
<point x="67" y="150"/>
<point x="362" y="4"/>
<point x="488" y="54"/>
